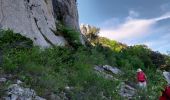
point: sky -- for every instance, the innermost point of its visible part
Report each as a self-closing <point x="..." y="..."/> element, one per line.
<point x="131" y="22"/>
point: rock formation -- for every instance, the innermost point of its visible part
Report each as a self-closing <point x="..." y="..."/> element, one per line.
<point x="66" y="12"/>
<point x="36" y="19"/>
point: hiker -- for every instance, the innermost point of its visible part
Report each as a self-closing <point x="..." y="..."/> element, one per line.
<point x="166" y="92"/>
<point x="141" y="78"/>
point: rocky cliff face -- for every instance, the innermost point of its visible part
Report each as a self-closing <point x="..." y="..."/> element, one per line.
<point x="36" y="19"/>
<point x="66" y="12"/>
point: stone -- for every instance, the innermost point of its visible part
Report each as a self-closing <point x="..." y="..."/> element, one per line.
<point x="54" y="97"/>
<point x="85" y="29"/>
<point x="103" y="71"/>
<point x="105" y="75"/>
<point x="99" y="68"/>
<point x="19" y="82"/>
<point x="167" y="76"/>
<point x="114" y="70"/>
<point x="36" y="19"/>
<point x="16" y="92"/>
<point x="2" y="80"/>
<point x="127" y="90"/>
<point x="39" y="98"/>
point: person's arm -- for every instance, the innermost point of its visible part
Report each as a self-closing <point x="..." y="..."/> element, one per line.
<point x="146" y="77"/>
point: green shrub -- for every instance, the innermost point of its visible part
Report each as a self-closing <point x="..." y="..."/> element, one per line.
<point x="9" y="40"/>
<point x="72" y="36"/>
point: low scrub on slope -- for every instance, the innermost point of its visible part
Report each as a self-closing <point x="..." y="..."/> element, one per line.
<point x="50" y="70"/>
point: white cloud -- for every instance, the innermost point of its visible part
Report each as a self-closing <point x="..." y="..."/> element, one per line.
<point x="140" y="31"/>
<point x="129" y="29"/>
<point x="132" y="28"/>
<point x="165" y="16"/>
<point x="132" y="14"/>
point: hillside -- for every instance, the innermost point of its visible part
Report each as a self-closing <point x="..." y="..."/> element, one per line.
<point x="46" y="55"/>
<point x="73" y="72"/>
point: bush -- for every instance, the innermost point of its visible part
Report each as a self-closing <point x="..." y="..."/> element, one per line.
<point x="72" y="36"/>
<point x="9" y="40"/>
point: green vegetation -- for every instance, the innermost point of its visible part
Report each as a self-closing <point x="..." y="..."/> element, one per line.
<point x="52" y="69"/>
<point x="72" y="36"/>
<point x="8" y="39"/>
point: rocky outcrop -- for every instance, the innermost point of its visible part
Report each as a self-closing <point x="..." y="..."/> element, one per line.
<point x="107" y="71"/>
<point x="85" y="29"/>
<point x="167" y="76"/>
<point x="66" y="12"/>
<point x="2" y="80"/>
<point x="16" y="92"/>
<point x="127" y="91"/>
<point x="36" y="19"/>
<point x="113" y="70"/>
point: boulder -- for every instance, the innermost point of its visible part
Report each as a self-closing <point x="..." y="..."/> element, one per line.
<point x="99" y="68"/>
<point x="167" y="76"/>
<point x="127" y="90"/>
<point x="113" y="70"/>
<point x="104" y="71"/>
<point x="16" y="92"/>
<point x="2" y="80"/>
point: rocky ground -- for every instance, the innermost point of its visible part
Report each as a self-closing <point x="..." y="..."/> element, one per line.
<point x="14" y="89"/>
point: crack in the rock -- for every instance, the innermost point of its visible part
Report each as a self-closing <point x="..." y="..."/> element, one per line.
<point x="33" y="5"/>
<point x="35" y="20"/>
<point x="28" y="1"/>
<point x="45" y="17"/>
<point x="2" y="12"/>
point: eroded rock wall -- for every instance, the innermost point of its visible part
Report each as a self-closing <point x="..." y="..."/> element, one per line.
<point x="66" y="12"/>
<point x="36" y="19"/>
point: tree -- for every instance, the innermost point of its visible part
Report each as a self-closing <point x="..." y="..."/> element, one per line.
<point x="157" y="59"/>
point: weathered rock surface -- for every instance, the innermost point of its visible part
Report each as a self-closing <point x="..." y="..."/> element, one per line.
<point x="85" y="29"/>
<point x="66" y="12"/>
<point x="2" y="80"/>
<point x="107" y="71"/>
<point x="113" y="70"/>
<point x="16" y="92"/>
<point x="36" y="19"/>
<point x="167" y="76"/>
<point x="127" y="90"/>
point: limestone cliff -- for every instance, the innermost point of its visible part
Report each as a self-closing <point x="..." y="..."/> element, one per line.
<point x="36" y="19"/>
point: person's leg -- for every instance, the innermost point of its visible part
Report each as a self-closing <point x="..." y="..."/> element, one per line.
<point x="144" y="84"/>
<point x="140" y="84"/>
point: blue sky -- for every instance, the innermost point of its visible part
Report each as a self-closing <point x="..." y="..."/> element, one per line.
<point x="130" y="21"/>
